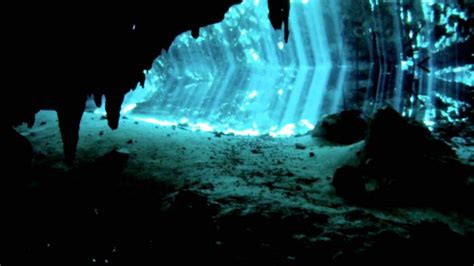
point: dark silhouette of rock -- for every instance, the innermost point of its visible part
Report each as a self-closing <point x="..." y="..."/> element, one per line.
<point x="346" y="127"/>
<point x="409" y="163"/>
<point x="300" y="146"/>
<point x="350" y="184"/>
<point x="391" y="135"/>
<point x="403" y="163"/>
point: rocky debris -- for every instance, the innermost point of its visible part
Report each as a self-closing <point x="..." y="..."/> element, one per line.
<point x="311" y="154"/>
<point x="447" y="130"/>
<point x="346" y="127"/>
<point x="300" y="146"/>
<point x="256" y="150"/>
<point x="308" y="181"/>
<point x="282" y="172"/>
<point x="349" y="183"/>
<point x="130" y="141"/>
<point x="459" y="134"/>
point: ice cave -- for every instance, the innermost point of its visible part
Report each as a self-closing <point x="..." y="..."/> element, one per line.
<point x="238" y="132"/>
<point x="250" y="81"/>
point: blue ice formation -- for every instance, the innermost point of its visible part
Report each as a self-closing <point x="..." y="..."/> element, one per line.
<point x="239" y="76"/>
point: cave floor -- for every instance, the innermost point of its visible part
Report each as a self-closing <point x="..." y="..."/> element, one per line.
<point x="213" y="198"/>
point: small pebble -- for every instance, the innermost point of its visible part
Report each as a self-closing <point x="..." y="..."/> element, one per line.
<point x="300" y="146"/>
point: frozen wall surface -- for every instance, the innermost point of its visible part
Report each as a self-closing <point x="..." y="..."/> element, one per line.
<point x="241" y="76"/>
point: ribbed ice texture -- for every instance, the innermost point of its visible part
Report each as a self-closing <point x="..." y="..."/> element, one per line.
<point x="240" y="76"/>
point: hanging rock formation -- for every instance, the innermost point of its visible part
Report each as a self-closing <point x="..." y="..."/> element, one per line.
<point x="55" y="56"/>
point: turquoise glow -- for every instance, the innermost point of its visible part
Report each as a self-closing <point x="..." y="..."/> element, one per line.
<point x="239" y="76"/>
<point x="246" y="78"/>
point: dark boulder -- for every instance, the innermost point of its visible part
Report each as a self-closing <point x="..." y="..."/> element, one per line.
<point x="409" y="163"/>
<point x="403" y="163"/>
<point x="391" y="135"/>
<point x="346" y="127"/>
<point x="349" y="183"/>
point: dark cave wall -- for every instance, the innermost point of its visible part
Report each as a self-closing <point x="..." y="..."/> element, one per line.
<point x="55" y="55"/>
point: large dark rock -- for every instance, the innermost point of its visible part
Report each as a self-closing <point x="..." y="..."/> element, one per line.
<point x="391" y="135"/>
<point x="409" y="163"/>
<point x="349" y="183"/>
<point x="346" y="127"/>
<point x="403" y="163"/>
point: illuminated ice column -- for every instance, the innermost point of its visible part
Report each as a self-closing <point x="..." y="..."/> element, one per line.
<point x="240" y="74"/>
<point x="309" y="40"/>
<point x="398" y="86"/>
<point x="322" y="60"/>
<point x="342" y="64"/>
<point x="215" y="94"/>
<point x="297" y="44"/>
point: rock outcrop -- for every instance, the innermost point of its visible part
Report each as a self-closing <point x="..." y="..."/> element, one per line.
<point x="402" y="162"/>
<point x="345" y="127"/>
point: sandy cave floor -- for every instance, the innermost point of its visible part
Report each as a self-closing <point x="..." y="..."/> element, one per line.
<point x="262" y="169"/>
<point x="268" y="183"/>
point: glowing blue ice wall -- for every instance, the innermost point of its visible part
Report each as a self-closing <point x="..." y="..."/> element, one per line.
<point x="240" y="76"/>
